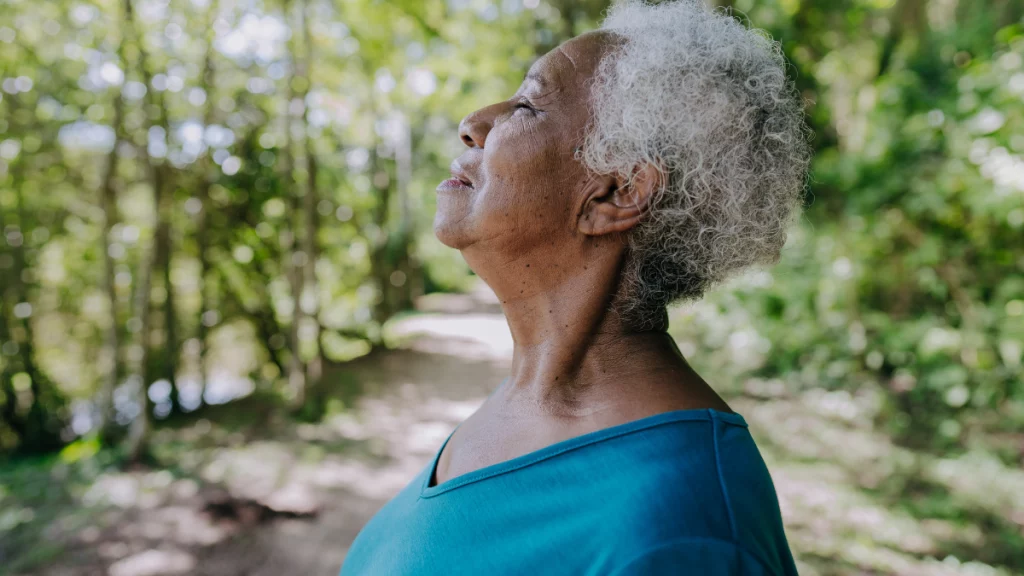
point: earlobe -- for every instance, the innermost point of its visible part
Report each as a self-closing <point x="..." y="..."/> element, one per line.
<point x="615" y="204"/>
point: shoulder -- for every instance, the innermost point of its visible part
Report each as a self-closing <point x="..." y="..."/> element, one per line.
<point x="701" y="488"/>
<point x="686" y="457"/>
<point x="662" y="482"/>
<point x="750" y="496"/>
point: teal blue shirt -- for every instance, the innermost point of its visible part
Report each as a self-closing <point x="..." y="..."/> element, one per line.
<point x="683" y="492"/>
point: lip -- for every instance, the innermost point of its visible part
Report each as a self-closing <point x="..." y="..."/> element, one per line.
<point x="459" y="182"/>
<point x="458" y="173"/>
<point x="453" y="185"/>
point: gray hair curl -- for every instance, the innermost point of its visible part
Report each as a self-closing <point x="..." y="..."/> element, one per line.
<point x="706" y="100"/>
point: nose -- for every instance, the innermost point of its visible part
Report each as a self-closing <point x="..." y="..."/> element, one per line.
<point x="475" y="127"/>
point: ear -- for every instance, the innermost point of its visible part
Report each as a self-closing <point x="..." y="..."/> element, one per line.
<point x="615" y="203"/>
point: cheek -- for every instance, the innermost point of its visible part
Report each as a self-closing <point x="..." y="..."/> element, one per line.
<point x="528" y="184"/>
<point x="521" y="214"/>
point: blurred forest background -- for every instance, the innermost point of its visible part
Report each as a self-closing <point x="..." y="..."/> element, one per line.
<point x="216" y="247"/>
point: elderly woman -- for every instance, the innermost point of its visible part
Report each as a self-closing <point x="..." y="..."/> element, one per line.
<point x="635" y="166"/>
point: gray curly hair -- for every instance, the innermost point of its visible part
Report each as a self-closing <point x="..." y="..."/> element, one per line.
<point x="706" y="100"/>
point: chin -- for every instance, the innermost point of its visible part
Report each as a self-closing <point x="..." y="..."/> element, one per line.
<point x="452" y="230"/>
<point x="448" y="237"/>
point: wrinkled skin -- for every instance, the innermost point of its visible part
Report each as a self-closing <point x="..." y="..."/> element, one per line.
<point x="550" y="240"/>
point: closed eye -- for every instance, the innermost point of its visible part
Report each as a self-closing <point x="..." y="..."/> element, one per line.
<point x="525" y="106"/>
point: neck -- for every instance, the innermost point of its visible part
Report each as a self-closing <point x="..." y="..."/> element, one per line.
<point x="573" y="352"/>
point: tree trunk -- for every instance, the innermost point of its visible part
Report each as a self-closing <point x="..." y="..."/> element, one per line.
<point x="111" y="348"/>
<point x="164" y="254"/>
<point x="163" y="242"/>
<point x="290" y="245"/>
<point x="906" y="15"/>
<point x="138" y="435"/>
<point x="205" y="279"/>
<point x="39" y="426"/>
<point x="207" y="83"/>
<point x="311" y="294"/>
<point x="9" y="409"/>
<point x="402" y="284"/>
<point x="262" y="315"/>
<point x="381" y="264"/>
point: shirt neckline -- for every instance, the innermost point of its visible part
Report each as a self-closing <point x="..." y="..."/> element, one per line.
<point x="552" y="450"/>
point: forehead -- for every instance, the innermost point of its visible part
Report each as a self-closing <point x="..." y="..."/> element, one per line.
<point x="571" y="63"/>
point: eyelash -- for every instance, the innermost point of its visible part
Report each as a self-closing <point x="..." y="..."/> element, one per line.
<point x="525" y="106"/>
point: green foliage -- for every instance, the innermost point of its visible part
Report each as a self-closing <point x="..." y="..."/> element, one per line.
<point x="197" y="187"/>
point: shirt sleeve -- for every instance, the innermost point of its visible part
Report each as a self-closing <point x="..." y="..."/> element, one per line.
<point x="695" y="556"/>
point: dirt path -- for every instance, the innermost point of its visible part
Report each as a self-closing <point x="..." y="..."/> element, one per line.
<point x="412" y="399"/>
<point x="278" y="498"/>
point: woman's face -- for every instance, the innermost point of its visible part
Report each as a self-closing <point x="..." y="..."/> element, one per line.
<point x="517" y="187"/>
